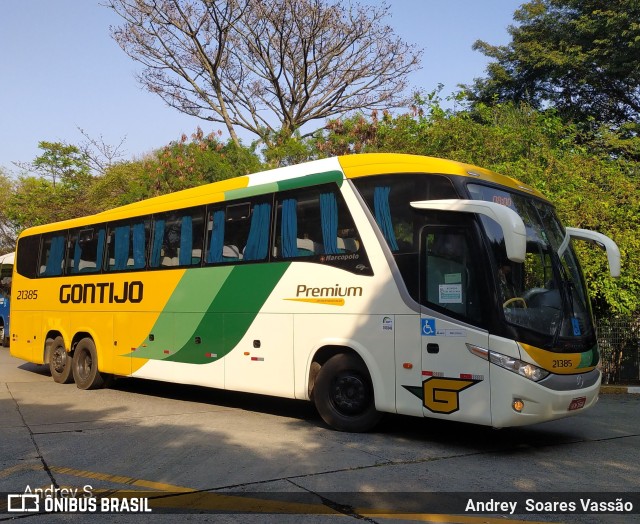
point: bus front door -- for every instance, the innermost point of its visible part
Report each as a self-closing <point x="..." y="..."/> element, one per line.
<point x="455" y="381"/>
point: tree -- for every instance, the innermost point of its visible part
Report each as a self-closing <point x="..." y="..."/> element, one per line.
<point x="579" y="56"/>
<point x="58" y="161"/>
<point x="185" y="163"/>
<point x="58" y="192"/>
<point x="201" y="160"/>
<point x="265" y="66"/>
<point x="8" y="231"/>
<point x="100" y="155"/>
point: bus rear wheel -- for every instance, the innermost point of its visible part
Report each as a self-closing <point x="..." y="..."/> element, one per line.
<point x="343" y="394"/>
<point x="85" y="366"/>
<point x="60" y="362"/>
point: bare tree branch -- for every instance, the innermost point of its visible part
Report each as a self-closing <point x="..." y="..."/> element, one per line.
<point x="99" y="154"/>
<point x="266" y="66"/>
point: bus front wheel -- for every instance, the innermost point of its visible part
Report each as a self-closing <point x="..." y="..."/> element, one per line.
<point x="60" y="362"/>
<point x="343" y="394"/>
<point x="85" y="366"/>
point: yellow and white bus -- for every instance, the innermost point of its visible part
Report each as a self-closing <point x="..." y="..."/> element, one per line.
<point x="365" y="283"/>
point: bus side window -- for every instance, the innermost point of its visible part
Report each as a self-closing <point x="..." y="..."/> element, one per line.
<point x="314" y="222"/>
<point x="127" y="245"/>
<point x="86" y="250"/>
<point x="177" y="238"/>
<point x="27" y="263"/>
<point x="6" y="274"/>
<point x="451" y="277"/>
<point x="240" y="232"/>
<point x="215" y="236"/>
<point x="52" y="255"/>
<point x="257" y="244"/>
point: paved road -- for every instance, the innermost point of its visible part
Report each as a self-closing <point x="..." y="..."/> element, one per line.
<point x="157" y="437"/>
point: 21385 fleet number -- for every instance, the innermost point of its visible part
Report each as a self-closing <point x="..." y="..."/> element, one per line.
<point x="27" y="294"/>
<point x="564" y="363"/>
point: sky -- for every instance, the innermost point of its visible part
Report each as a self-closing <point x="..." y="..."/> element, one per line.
<point x="60" y="71"/>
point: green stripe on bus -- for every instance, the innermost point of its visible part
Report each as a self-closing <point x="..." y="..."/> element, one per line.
<point x="223" y="302"/>
<point x="311" y="180"/>
<point x="247" y="192"/>
<point x="232" y="312"/>
<point x="285" y="185"/>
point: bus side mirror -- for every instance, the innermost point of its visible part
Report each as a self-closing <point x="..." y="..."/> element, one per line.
<point x="513" y="229"/>
<point x="602" y="241"/>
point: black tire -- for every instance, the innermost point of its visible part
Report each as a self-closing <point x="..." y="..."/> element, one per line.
<point x="343" y="394"/>
<point x="60" y="362"/>
<point x="85" y="366"/>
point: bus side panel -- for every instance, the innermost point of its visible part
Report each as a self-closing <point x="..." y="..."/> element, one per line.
<point x="457" y="383"/>
<point x="408" y="364"/>
<point x="365" y="334"/>
<point x="262" y="362"/>
<point x="27" y="339"/>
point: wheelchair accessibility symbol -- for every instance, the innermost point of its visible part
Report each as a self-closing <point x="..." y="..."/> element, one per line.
<point x="428" y="327"/>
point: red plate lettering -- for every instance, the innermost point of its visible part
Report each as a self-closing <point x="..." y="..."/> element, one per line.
<point x="577" y="403"/>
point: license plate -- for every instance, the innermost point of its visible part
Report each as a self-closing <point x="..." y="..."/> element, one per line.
<point x="577" y="403"/>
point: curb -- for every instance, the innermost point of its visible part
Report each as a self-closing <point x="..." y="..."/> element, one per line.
<point x="633" y="390"/>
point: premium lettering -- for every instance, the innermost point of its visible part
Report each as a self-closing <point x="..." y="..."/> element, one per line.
<point x="336" y="291"/>
<point x="102" y="292"/>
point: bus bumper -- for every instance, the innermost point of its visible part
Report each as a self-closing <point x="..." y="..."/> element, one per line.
<point x="538" y="401"/>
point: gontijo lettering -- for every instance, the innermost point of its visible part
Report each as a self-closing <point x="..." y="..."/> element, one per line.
<point x="102" y="292"/>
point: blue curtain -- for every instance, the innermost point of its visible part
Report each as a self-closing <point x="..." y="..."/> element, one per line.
<point x="383" y="215"/>
<point x="156" y="248"/>
<point x="77" y="251"/>
<point x="186" y="240"/>
<point x="121" y="248"/>
<point x="216" y="242"/>
<point x="139" y="242"/>
<point x="56" y="255"/>
<point x="329" y="222"/>
<point x="100" y="250"/>
<point x="289" y="228"/>
<point x="258" y="240"/>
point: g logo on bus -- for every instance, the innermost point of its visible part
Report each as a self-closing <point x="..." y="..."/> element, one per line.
<point x="441" y="395"/>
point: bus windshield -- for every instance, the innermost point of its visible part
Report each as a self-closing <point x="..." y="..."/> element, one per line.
<point x="546" y="293"/>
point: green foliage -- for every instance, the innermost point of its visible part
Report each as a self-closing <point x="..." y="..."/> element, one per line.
<point x="58" y="193"/>
<point x="61" y="162"/>
<point x="8" y="232"/>
<point x="579" y="56"/>
<point x="286" y="150"/>
<point x="201" y="160"/>
<point x="122" y="183"/>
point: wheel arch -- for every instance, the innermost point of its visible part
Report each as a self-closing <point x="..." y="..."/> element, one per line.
<point x="69" y="345"/>
<point x="326" y="351"/>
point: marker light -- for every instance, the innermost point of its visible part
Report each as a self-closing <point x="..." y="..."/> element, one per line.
<point x="517" y="405"/>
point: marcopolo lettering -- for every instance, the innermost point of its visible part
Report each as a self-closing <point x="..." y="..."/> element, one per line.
<point x="336" y="291"/>
<point x="102" y="292"/>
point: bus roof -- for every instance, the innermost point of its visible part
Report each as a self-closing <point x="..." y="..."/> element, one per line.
<point x="329" y="169"/>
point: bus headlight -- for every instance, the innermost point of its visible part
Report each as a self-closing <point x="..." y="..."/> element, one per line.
<point x="512" y="364"/>
<point x="518" y="366"/>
